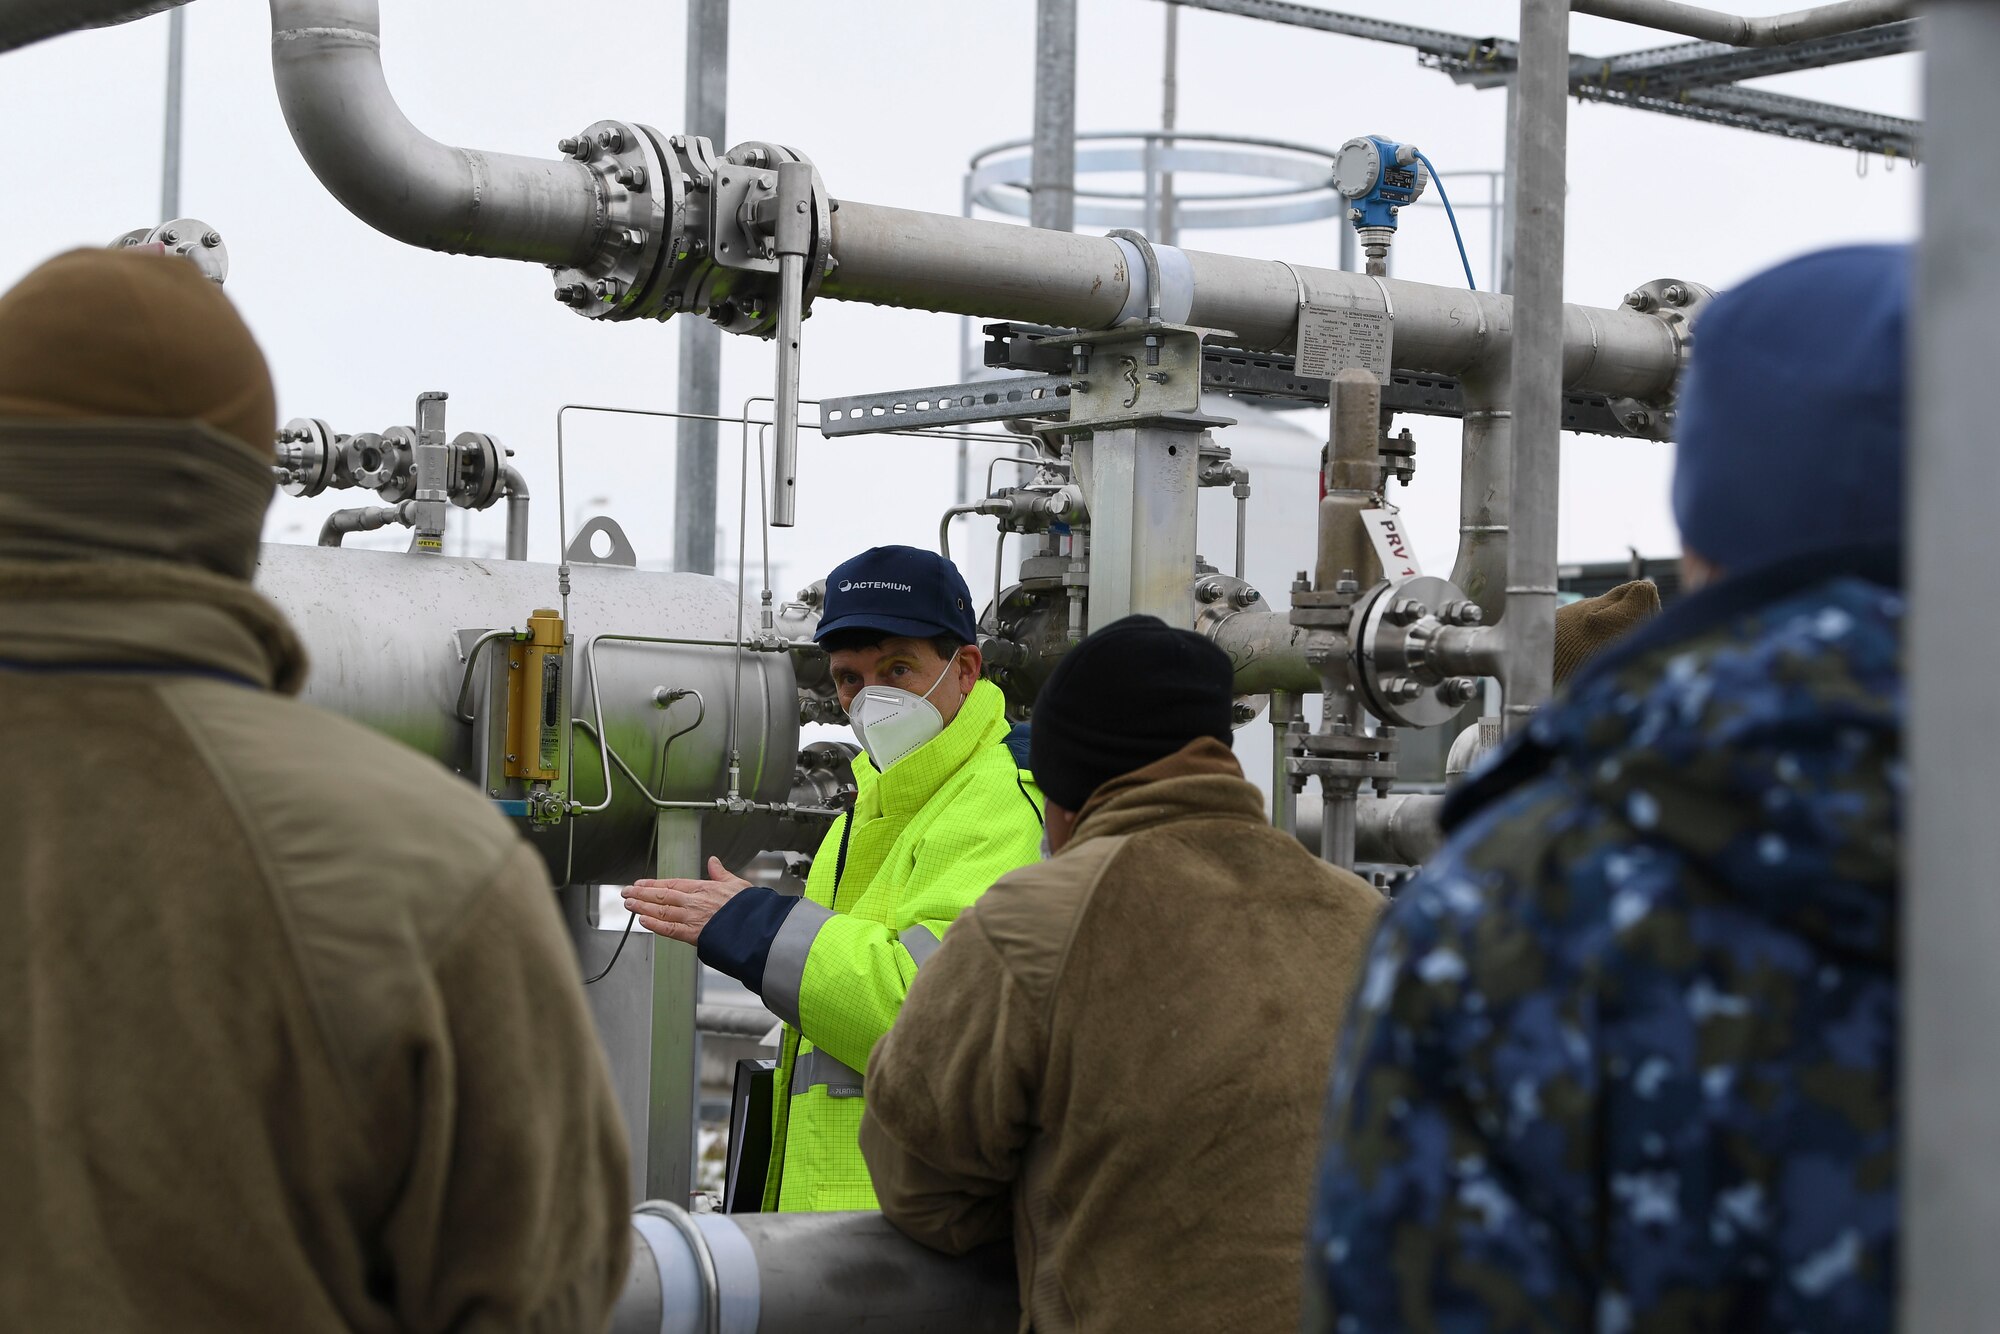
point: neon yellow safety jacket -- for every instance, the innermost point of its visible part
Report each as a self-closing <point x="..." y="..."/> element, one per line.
<point x="924" y="840"/>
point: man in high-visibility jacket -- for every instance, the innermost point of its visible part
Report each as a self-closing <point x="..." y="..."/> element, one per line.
<point x="942" y="810"/>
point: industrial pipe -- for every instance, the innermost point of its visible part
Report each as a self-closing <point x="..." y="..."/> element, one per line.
<point x="1400" y="829"/>
<point x="734" y="1021"/>
<point x="363" y="519"/>
<point x="1267" y="651"/>
<point x="1538" y="372"/>
<point x="326" y="57"/>
<point x="1353" y="482"/>
<point x="1949" y="1065"/>
<point x="840" y="1273"/>
<point x="326" y="60"/>
<point x="516" y="487"/>
<point x="1770" y="30"/>
<point x="1485" y="491"/>
<point x="967" y="266"/>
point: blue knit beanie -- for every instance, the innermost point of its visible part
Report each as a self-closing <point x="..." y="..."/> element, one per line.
<point x="1790" y="435"/>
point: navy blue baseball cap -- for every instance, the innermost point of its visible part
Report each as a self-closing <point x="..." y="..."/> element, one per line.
<point x="899" y="591"/>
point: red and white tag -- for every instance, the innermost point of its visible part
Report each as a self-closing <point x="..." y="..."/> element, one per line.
<point x="1392" y="544"/>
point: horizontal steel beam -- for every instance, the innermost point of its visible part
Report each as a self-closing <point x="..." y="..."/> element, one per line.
<point x="1487" y="62"/>
<point x="1430" y="41"/>
<point x="1706" y="64"/>
<point x="1774" y="113"/>
<point x="988" y="400"/>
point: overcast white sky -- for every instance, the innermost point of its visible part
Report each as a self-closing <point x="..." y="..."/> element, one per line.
<point x="888" y="97"/>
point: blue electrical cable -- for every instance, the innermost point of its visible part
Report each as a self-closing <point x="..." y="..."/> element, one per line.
<point x="1438" y="181"/>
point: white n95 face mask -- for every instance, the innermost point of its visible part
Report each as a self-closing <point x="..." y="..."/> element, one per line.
<point x="891" y="722"/>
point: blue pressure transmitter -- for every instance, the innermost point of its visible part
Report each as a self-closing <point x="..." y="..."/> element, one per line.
<point x="1379" y="178"/>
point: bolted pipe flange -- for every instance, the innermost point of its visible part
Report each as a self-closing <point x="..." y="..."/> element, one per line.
<point x="308" y="457"/>
<point x="1391" y="652"/>
<point x="190" y="238"/>
<point x="644" y="206"/>
<point x="385" y="464"/>
<point x="477" y="464"/>
<point x="737" y="281"/>
<point x="1219" y="598"/>
<point x="1676" y="303"/>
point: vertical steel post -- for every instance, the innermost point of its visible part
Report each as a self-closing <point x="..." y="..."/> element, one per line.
<point x="1541" y="129"/>
<point x="1286" y="709"/>
<point x="170" y="158"/>
<point x="1950" y="1182"/>
<point x="1142" y="522"/>
<point x="643" y="1003"/>
<point x="1167" y="229"/>
<point x="1503" y="225"/>
<point x="1052" y="175"/>
<point x="675" y="1084"/>
<point x="701" y="342"/>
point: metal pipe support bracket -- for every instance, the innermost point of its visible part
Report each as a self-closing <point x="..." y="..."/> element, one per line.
<point x="1131" y="374"/>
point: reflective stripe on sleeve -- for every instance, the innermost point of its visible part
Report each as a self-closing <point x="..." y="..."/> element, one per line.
<point x="816" y="1067"/>
<point x="919" y="941"/>
<point x="785" y="965"/>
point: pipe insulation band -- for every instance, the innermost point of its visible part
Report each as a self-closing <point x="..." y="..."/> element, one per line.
<point x="683" y="1300"/>
<point x="1176" y="283"/>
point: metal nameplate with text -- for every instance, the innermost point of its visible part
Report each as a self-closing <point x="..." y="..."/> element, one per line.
<point x="1332" y="338"/>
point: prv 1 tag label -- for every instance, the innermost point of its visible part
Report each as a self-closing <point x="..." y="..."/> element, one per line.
<point x="1392" y="545"/>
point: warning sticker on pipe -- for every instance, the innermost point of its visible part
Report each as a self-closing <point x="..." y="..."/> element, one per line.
<point x="1333" y="338"/>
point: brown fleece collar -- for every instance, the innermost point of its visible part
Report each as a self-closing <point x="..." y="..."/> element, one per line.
<point x="139" y="611"/>
<point x="1218" y="789"/>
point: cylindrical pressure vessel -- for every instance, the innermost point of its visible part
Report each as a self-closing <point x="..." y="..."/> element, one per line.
<point x="387" y="635"/>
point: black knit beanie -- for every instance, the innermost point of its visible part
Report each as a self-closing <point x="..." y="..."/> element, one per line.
<point x="1129" y="694"/>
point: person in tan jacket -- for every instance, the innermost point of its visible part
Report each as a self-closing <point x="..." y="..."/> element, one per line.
<point x="291" y="1037"/>
<point x="1118" y="1055"/>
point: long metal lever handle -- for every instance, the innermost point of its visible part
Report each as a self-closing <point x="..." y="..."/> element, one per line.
<point x="794" y="242"/>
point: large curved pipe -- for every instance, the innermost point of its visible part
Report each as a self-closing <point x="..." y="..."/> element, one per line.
<point x="1736" y="30"/>
<point x="327" y="59"/>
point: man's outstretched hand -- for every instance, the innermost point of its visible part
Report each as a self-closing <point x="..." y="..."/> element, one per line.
<point x="679" y="909"/>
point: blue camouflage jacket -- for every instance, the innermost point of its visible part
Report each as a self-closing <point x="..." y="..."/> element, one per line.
<point x="1624" y="1054"/>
